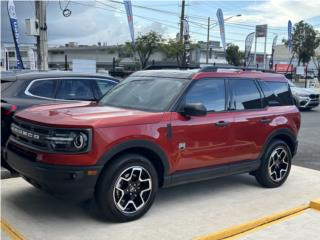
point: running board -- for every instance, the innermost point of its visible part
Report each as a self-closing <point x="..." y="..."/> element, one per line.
<point x="201" y="174"/>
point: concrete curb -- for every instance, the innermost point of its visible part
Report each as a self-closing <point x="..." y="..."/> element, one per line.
<point x="234" y="231"/>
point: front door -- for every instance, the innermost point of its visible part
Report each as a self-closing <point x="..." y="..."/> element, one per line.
<point x="205" y="140"/>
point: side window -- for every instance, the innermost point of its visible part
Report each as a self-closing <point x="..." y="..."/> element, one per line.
<point x="276" y="93"/>
<point x="245" y="95"/>
<point x="43" y="88"/>
<point x="104" y="86"/>
<point x="211" y="93"/>
<point x="75" y="89"/>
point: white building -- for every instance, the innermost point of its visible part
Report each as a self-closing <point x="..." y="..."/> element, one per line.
<point x="9" y="60"/>
<point x="283" y="56"/>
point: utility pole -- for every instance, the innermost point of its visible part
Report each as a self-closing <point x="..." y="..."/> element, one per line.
<point x="181" y="20"/>
<point x="42" y="39"/>
<point x="208" y="36"/>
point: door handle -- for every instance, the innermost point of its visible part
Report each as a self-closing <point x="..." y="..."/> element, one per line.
<point x="222" y="123"/>
<point x="265" y="120"/>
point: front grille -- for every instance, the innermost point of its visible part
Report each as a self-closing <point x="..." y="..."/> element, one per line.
<point x="314" y="96"/>
<point x="31" y="135"/>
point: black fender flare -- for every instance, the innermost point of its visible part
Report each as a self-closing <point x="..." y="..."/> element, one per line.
<point x="131" y="144"/>
<point x="284" y="131"/>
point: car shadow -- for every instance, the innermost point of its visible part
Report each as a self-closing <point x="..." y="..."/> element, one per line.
<point x="41" y="205"/>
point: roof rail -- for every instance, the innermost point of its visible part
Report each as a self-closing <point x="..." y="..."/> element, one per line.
<point x="216" y="68"/>
<point x="170" y="66"/>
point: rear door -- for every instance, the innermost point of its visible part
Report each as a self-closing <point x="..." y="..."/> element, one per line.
<point x="251" y="118"/>
<point x="206" y="140"/>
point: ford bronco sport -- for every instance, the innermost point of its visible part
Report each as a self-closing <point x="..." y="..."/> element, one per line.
<point x="158" y="128"/>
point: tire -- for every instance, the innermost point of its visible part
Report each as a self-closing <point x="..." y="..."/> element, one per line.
<point x="121" y="194"/>
<point x="275" y="165"/>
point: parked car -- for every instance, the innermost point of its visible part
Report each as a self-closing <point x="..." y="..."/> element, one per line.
<point x="22" y="90"/>
<point x="304" y="98"/>
<point x="158" y="128"/>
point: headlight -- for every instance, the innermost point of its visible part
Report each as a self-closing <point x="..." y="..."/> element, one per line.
<point x="69" y="140"/>
<point x="303" y="95"/>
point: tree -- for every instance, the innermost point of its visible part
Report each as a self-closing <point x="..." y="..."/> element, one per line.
<point x="316" y="60"/>
<point x="145" y="45"/>
<point x="173" y="49"/>
<point x="304" y="42"/>
<point x="233" y="55"/>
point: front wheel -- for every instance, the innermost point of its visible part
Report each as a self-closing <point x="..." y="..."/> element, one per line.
<point x="127" y="188"/>
<point x="275" y="165"/>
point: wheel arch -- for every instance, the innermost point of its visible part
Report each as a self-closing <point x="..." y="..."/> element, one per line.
<point x="148" y="149"/>
<point x="285" y="135"/>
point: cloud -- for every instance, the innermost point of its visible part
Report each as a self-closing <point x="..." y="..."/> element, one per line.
<point x="89" y="23"/>
<point x="276" y="13"/>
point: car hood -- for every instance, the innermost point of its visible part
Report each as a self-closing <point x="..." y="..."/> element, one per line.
<point x="84" y="114"/>
<point x="298" y="90"/>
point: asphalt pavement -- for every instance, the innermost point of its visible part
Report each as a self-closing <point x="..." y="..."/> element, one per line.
<point x="308" y="154"/>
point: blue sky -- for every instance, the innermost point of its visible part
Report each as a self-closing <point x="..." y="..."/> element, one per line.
<point x="95" y="21"/>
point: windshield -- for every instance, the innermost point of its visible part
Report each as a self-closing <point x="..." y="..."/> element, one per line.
<point x="144" y="93"/>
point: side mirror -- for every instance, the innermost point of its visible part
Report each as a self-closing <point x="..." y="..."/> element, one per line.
<point x="194" y="109"/>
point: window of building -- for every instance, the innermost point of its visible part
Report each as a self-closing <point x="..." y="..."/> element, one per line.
<point x="12" y="54"/>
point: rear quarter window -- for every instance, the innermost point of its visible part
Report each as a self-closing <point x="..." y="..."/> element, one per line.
<point x="276" y="93"/>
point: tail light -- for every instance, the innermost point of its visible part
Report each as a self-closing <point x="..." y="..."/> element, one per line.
<point x="7" y="110"/>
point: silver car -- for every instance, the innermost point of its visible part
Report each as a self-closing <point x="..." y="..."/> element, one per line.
<point x="304" y="98"/>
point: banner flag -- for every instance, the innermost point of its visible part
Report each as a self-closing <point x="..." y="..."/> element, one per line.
<point x="128" y="7"/>
<point x="222" y="30"/>
<point x="15" y="32"/>
<point x="248" y="46"/>
<point x="274" y="42"/>
<point x="289" y="36"/>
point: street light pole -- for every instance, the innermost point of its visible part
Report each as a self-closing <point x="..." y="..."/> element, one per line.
<point x="181" y="20"/>
<point x="42" y="39"/>
<point x="208" y="36"/>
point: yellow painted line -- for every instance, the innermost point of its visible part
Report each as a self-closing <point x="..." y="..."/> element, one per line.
<point x="11" y="231"/>
<point x="263" y="226"/>
<point x="243" y="228"/>
<point x="315" y="204"/>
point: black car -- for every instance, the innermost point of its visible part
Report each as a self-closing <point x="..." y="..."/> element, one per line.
<point x="22" y="90"/>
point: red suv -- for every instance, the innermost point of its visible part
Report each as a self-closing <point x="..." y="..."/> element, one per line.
<point x="158" y="128"/>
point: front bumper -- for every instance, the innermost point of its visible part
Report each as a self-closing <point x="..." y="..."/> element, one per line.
<point x="307" y="102"/>
<point x="76" y="183"/>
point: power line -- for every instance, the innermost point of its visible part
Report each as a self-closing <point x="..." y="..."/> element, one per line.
<point x="151" y="20"/>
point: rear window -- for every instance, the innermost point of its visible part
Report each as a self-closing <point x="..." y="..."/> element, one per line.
<point x="276" y="93"/>
<point x="43" y="88"/>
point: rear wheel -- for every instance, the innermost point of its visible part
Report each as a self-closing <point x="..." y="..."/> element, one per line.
<point x="275" y="165"/>
<point x="127" y="188"/>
